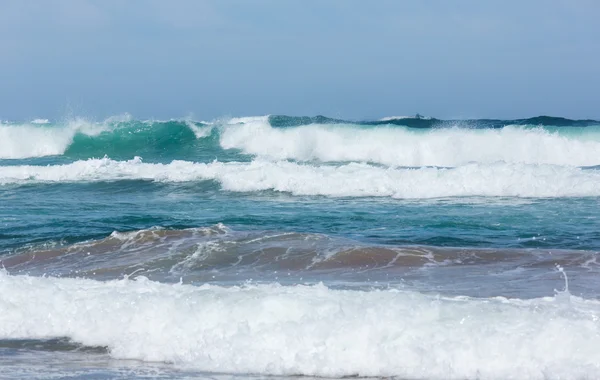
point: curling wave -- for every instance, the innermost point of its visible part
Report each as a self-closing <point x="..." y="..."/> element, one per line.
<point x="117" y="137"/>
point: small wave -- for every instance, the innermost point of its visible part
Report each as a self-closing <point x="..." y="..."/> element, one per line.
<point x="309" y="330"/>
<point x="394" y="118"/>
<point x="218" y="253"/>
<point x="426" y="122"/>
<point x="351" y="180"/>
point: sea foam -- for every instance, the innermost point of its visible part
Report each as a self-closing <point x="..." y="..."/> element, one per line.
<point x="310" y="330"/>
<point x="350" y="180"/>
<point x="401" y="146"/>
<point x="38" y="139"/>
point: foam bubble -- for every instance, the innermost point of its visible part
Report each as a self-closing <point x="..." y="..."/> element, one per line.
<point x="309" y="330"/>
<point x="400" y="146"/>
<point x="351" y="180"/>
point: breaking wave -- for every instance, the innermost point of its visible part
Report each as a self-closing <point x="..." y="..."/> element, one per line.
<point x="350" y="180"/>
<point x="118" y="137"/>
<point x="402" y="146"/>
<point x="392" y="142"/>
<point x="310" y="330"/>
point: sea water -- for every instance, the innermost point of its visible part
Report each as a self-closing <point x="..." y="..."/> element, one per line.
<point x="412" y="248"/>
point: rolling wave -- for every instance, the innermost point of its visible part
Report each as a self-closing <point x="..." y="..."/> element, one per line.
<point x="349" y="180"/>
<point x="310" y="330"/>
<point x="393" y="141"/>
<point x="400" y="146"/>
<point x="218" y="253"/>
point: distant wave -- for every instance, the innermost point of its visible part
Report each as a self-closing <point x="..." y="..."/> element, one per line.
<point x="40" y="121"/>
<point x="349" y="180"/>
<point x="393" y="142"/>
<point x="431" y="122"/>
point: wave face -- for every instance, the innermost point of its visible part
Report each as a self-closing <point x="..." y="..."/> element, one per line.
<point x="350" y="180"/>
<point x="310" y="330"/>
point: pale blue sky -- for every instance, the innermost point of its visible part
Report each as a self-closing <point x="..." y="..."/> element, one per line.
<point x="345" y="58"/>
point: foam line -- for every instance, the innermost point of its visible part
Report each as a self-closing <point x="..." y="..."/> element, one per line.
<point x="351" y="180"/>
<point x="310" y="330"/>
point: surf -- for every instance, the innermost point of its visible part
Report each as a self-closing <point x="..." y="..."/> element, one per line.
<point x="394" y="145"/>
<point x="347" y="180"/>
<point x="390" y="142"/>
<point x="309" y="329"/>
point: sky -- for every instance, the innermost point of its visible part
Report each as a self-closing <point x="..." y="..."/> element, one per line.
<point x="340" y="58"/>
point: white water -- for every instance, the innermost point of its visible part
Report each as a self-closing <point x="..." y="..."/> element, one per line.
<point x="199" y="132"/>
<point x="399" y="146"/>
<point x="38" y="140"/>
<point x="351" y="180"/>
<point x="40" y="121"/>
<point x="310" y="330"/>
<point x="29" y="141"/>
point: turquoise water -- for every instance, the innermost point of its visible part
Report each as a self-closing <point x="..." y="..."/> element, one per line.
<point x="197" y="240"/>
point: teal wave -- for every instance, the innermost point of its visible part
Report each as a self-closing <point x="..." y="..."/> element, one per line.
<point x="200" y="141"/>
<point x="147" y="139"/>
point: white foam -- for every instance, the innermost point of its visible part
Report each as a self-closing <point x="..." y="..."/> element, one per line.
<point x="351" y="180"/>
<point x="199" y="132"/>
<point x="23" y="141"/>
<point x="40" y="121"/>
<point x="38" y="140"/>
<point x="399" y="146"/>
<point x="310" y="330"/>
<point x="248" y="120"/>
<point x="388" y="118"/>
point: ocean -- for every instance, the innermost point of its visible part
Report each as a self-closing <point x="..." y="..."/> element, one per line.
<point x="281" y="246"/>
